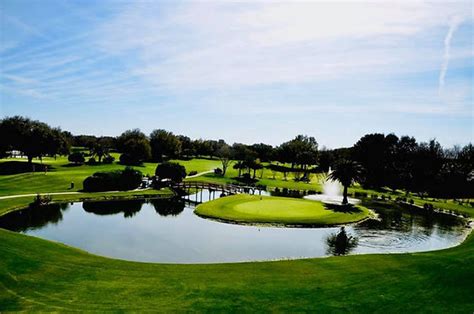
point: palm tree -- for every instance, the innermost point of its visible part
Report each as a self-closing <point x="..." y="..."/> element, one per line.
<point x="100" y="151"/>
<point x="346" y="172"/>
<point x="239" y="166"/>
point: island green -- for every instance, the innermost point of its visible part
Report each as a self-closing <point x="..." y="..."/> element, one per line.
<point x="246" y="208"/>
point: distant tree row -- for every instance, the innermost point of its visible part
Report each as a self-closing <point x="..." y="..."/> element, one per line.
<point x="403" y="163"/>
<point x="385" y="160"/>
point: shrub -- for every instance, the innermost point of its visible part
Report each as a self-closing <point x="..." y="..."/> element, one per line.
<point x="122" y="180"/>
<point x="129" y="179"/>
<point x="192" y="173"/>
<point x="127" y="159"/>
<point x="218" y="171"/>
<point x="91" y="161"/>
<point x="108" y="159"/>
<point x="171" y="170"/>
<point x="77" y="158"/>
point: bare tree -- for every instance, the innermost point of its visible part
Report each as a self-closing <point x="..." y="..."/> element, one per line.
<point x="224" y="153"/>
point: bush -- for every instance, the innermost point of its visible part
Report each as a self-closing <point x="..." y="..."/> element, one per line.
<point x="192" y="173"/>
<point x="121" y="180"/>
<point x="77" y="158"/>
<point x="171" y="170"/>
<point x="127" y="159"/>
<point x="108" y="159"/>
<point x="91" y="161"/>
<point x="218" y="171"/>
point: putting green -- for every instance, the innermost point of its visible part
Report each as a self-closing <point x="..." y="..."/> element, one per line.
<point x="279" y="210"/>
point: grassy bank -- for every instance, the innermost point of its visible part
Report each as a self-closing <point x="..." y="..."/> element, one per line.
<point x="278" y="210"/>
<point x="9" y="204"/>
<point x="38" y="275"/>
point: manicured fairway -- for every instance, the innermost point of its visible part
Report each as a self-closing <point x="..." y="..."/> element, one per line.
<point x="270" y="209"/>
<point x="61" y="173"/>
<point x="38" y="275"/>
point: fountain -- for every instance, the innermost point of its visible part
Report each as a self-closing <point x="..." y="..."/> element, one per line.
<point x="332" y="192"/>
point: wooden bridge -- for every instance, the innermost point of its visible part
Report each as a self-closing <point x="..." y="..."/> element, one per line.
<point x="188" y="188"/>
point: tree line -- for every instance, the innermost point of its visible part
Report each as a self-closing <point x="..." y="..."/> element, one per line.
<point x="385" y="160"/>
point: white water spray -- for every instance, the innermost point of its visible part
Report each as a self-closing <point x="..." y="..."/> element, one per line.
<point x="332" y="192"/>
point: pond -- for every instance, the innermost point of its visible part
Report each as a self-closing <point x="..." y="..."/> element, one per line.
<point x="168" y="231"/>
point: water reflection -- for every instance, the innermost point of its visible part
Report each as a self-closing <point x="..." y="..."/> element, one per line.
<point x="340" y="243"/>
<point x="33" y="217"/>
<point x="128" y="207"/>
<point x="168" y="207"/>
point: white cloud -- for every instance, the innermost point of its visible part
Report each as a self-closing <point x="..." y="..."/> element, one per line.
<point x="209" y="45"/>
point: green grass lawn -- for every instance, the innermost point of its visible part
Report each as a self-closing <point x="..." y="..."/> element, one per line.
<point x="61" y="173"/>
<point x="279" y="210"/>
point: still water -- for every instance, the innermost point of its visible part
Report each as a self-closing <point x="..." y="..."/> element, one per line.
<point x="168" y="231"/>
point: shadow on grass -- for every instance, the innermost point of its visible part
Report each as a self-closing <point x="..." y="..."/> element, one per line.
<point x="17" y="167"/>
<point x="72" y="165"/>
<point x="140" y="165"/>
<point x="348" y="209"/>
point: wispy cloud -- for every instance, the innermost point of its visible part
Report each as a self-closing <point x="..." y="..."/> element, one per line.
<point x="221" y="45"/>
<point x="238" y="59"/>
<point x="453" y="25"/>
<point x="22" y="25"/>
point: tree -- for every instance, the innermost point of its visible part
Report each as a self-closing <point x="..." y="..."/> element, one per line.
<point x="302" y="150"/>
<point x="135" y="147"/>
<point x="187" y="147"/>
<point x="224" y="154"/>
<point x="255" y="165"/>
<point x="263" y="151"/>
<point x="100" y="150"/>
<point x="239" y="166"/>
<point x="77" y="158"/>
<point x="33" y="138"/>
<point x="427" y="165"/>
<point x="171" y="170"/>
<point x="164" y="143"/>
<point x="346" y="172"/>
<point x="403" y="164"/>
<point x="376" y="154"/>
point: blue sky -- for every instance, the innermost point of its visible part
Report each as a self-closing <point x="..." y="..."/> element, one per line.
<point x="242" y="71"/>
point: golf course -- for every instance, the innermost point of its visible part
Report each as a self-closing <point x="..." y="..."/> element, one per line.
<point x="236" y="156"/>
<point x="41" y="275"/>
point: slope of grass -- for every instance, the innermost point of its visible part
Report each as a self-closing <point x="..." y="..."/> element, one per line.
<point x="280" y="210"/>
<point x="38" y="275"/>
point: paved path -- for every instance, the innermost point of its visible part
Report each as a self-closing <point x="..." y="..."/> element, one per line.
<point x="199" y="174"/>
<point x="63" y="193"/>
<point x="26" y="195"/>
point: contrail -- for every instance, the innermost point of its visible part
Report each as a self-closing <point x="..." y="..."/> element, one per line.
<point x="455" y="22"/>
